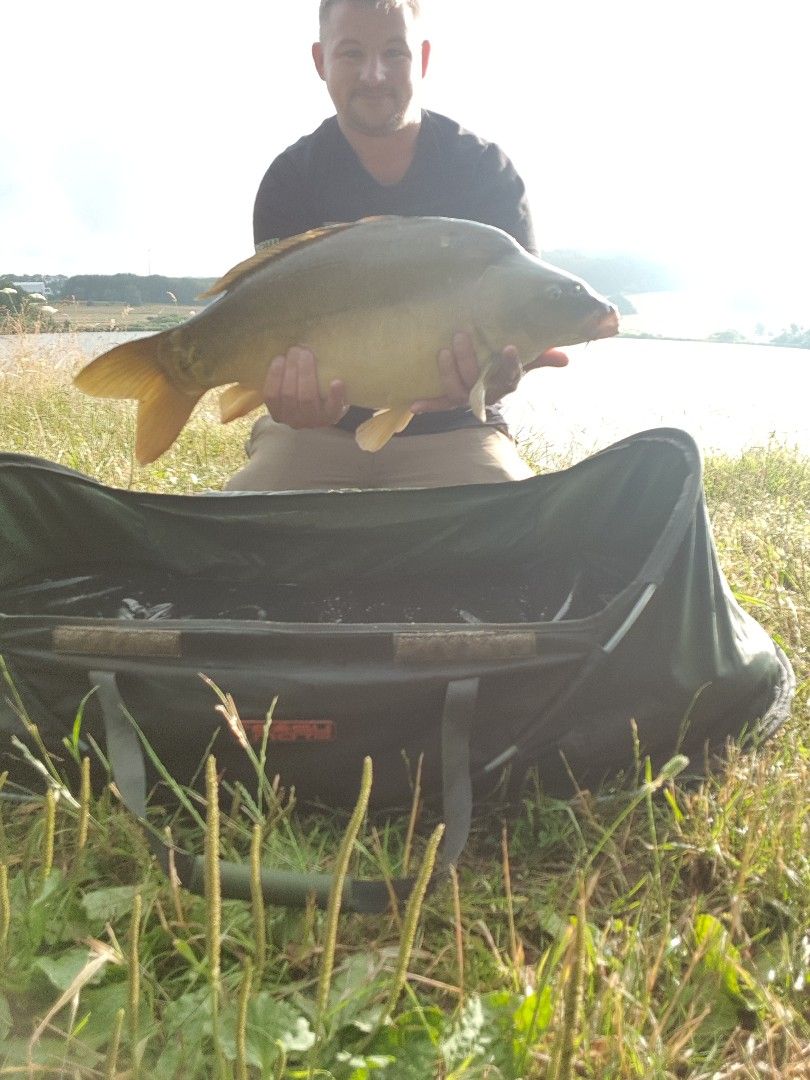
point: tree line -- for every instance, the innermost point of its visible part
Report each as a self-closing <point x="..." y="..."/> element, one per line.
<point x="133" y="289"/>
<point x="612" y="275"/>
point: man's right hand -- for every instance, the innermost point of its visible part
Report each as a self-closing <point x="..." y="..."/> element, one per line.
<point x="292" y="394"/>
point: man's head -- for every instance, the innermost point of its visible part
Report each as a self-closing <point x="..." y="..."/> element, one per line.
<point x="372" y="58"/>
<point x="383" y="5"/>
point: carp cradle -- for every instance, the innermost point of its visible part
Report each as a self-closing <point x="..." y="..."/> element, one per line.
<point x="536" y="624"/>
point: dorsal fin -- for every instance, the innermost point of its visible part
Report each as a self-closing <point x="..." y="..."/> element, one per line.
<point x="276" y="251"/>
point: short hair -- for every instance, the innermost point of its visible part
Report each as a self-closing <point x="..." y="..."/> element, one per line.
<point x="384" y="5"/>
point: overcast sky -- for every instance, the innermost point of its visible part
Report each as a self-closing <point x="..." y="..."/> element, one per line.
<point x="135" y="135"/>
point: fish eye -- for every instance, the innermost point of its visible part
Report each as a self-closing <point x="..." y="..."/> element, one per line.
<point x="553" y="292"/>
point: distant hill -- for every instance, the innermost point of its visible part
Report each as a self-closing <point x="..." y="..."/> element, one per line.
<point x="615" y="275"/>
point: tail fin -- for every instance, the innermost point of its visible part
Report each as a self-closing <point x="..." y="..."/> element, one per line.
<point x="131" y="371"/>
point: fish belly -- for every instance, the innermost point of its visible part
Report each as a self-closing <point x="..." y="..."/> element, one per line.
<point x="385" y="357"/>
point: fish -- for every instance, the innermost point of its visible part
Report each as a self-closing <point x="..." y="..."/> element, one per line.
<point x="375" y="300"/>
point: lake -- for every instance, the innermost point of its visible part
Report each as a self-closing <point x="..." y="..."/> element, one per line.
<point x="729" y="397"/>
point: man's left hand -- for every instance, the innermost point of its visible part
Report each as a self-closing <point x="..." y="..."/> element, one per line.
<point x="459" y="371"/>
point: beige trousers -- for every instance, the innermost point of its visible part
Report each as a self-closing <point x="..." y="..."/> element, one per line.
<point x="283" y="459"/>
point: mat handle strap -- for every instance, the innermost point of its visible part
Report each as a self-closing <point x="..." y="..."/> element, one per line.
<point x="285" y="887"/>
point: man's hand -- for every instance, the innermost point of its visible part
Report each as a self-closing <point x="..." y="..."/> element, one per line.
<point x="550" y="358"/>
<point x="292" y="395"/>
<point x="459" y="372"/>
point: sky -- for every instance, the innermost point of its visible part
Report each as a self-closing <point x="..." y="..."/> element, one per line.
<point x="135" y="136"/>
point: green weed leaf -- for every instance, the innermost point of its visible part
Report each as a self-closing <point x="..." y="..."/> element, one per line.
<point x="272" y="1026"/>
<point x="720" y="955"/>
<point x="533" y="1015"/>
<point x="479" y="1029"/>
<point x="61" y="972"/>
<point x="107" y="905"/>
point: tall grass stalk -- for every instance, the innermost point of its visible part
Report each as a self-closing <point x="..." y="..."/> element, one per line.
<point x="48" y="833"/>
<point x="134" y="984"/>
<point x="510" y="907"/>
<point x="241" y="1021"/>
<point x="386" y="876"/>
<point x="3" y="844"/>
<point x="416" y="800"/>
<point x="213" y="898"/>
<point x="5" y="913"/>
<point x="174" y="879"/>
<point x="458" y="930"/>
<point x="111" y="1063"/>
<point x="572" y="978"/>
<point x="336" y="895"/>
<point x="411" y="921"/>
<point x="83" y="823"/>
<point x="649" y="790"/>
<point x="257" y="902"/>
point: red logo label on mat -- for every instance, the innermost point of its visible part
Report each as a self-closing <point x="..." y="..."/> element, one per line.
<point x="291" y="731"/>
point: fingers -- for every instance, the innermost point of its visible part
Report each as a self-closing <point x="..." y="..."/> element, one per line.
<point x="458" y="371"/>
<point x="335" y="405"/>
<point x="550" y="358"/>
<point x="293" y="396"/>
<point x="505" y="376"/>
<point x="303" y="381"/>
<point x="281" y="388"/>
<point x="465" y="366"/>
<point x="273" y="380"/>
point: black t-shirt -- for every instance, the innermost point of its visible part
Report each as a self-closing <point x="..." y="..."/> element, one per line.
<point x="320" y="180"/>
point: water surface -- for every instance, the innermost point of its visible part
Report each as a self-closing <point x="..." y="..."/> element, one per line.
<point x="728" y="397"/>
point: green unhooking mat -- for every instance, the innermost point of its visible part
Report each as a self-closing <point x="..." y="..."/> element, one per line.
<point x="530" y="624"/>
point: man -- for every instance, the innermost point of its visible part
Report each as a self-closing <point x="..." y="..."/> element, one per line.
<point x="383" y="154"/>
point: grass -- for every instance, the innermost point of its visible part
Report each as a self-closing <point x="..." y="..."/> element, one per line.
<point x="41" y="413"/>
<point x="650" y="932"/>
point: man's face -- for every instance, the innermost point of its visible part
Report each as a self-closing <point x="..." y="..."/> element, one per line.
<point x="372" y="64"/>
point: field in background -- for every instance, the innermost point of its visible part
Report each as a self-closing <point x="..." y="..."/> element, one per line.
<point x="116" y="316"/>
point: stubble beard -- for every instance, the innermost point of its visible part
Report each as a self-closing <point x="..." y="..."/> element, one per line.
<point x="358" y="117"/>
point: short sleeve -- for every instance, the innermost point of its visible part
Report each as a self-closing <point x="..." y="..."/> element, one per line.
<point x="498" y="197"/>
<point x="280" y="209"/>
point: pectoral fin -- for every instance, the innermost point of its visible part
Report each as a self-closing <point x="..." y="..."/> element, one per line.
<point x="478" y="395"/>
<point x="374" y="433"/>
<point x="238" y="401"/>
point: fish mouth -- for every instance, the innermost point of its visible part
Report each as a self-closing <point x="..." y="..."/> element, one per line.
<point x="603" y="324"/>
